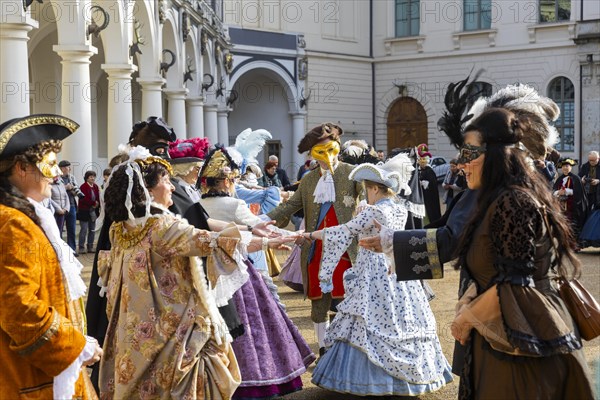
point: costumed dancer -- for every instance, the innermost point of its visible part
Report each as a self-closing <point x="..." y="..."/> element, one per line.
<point x="248" y="144"/>
<point x="165" y="336"/>
<point x="43" y="347"/>
<point x="186" y="158"/>
<point x="352" y="152"/>
<point x="439" y="244"/>
<point x="516" y="327"/>
<point x="328" y="198"/>
<point x="383" y="338"/>
<point x="261" y="200"/>
<point x="272" y="354"/>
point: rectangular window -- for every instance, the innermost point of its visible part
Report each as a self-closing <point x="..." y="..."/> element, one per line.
<point x="555" y="10"/>
<point x="407" y="18"/>
<point x="562" y="91"/>
<point x="477" y="14"/>
<point x="273" y="148"/>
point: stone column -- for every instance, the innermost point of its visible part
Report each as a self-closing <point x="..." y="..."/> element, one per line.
<point x="298" y="131"/>
<point x="223" y="126"/>
<point x="151" y="96"/>
<point x="195" y="114"/>
<point x="119" y="111"/>
<point x="76" y="103"/>
<point x="14" y="65"/>
<point x="210" y="123"/>
<point x="176" y="111"/>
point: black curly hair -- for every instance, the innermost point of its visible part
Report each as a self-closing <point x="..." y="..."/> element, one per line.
<point x="116" y="192"/>
<point x="10" y="196"/>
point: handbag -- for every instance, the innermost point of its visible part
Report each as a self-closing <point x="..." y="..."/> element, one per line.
<point x="582" y="306"/>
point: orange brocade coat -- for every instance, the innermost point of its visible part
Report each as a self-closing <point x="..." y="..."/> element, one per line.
<point x="40" y="331"/>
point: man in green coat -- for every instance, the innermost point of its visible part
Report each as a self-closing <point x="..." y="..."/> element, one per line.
<point x="328" y="198"/>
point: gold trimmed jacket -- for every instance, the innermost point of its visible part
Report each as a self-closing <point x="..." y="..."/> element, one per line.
<point x="40" y="330"/>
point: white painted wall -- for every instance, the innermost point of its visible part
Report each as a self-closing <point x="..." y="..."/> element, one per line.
<point x="331" y="26"/>
<point x="263" y="104"/>
<point x="341" y="92"/>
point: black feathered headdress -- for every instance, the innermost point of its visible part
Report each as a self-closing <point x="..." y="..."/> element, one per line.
<point x="456" y="101"/>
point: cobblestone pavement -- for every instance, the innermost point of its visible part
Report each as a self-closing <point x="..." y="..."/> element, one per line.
<point x="443" y="307"/>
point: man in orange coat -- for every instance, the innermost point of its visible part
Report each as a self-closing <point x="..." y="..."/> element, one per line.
<point x="43" y="348"/>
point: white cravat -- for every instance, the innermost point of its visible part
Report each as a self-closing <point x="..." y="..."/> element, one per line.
<point x="70" y="266"/>
<point x="325" y="189"/>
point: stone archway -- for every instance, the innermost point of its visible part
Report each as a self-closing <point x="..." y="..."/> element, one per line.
<point x="406" y="124"/>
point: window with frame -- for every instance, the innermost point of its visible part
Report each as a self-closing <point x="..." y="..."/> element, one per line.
<point x="407" y="18"/>
<point x="273" y="148"/>
<point x="477" y="14"/>
<point x="476" y="90"/>
<point x="555" y="10"/>
<point x="562" y="91"/>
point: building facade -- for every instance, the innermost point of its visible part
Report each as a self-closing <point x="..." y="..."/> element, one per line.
<point x="381" y="68"/>
<point x="109" y="63"/>
<point x="212" y="68"/>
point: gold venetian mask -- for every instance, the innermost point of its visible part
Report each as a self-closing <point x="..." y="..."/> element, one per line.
<point x="326" y="152"/>
<point x="48" y="165"/>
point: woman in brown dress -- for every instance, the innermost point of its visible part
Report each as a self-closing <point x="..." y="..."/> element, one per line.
<point x="521" y="340"/>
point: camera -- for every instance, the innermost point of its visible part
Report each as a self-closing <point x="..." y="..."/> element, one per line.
<point x="76" y="192"/>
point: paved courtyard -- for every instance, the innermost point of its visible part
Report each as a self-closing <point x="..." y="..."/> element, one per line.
<point x="443" y="307"/>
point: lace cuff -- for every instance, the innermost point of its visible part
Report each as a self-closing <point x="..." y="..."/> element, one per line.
<point x="386" y="236"/>
<point x="326" y="286"/>
<point x="64" y="383"/>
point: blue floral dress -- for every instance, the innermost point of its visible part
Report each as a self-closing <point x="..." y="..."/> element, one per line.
<point x="383" y="340"/>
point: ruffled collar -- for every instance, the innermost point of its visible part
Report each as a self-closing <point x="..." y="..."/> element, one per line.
<point x="69" y="265"/>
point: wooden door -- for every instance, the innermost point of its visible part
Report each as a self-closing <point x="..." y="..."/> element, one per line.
<point x="406" y="124"/>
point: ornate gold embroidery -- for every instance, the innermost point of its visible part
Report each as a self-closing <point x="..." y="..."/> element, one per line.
<point x="153" y="159"/>
<point x="8" y="133"/>
<point x="434" y="259"/>
<point x="131" y="238"/>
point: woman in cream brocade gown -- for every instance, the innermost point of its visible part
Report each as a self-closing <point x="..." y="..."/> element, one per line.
<point x="165" y="338"/>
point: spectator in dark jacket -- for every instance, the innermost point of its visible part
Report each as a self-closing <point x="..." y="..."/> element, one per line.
<point x="281" y="174"/>
<point x="454" y="182"/>
<point x="590" y="177"/>
<point x="270" y="177"/>
<point x="74" y="193"/>
<point x="87" y="211"/>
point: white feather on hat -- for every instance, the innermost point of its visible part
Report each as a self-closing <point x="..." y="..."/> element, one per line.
<point x="394" y="173"/>
<point x="525" y="101"/>
<point x="249" y="143"/>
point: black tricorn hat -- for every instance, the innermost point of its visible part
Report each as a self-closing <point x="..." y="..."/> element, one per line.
<point x="318" y="134"/>
<point x="566" y="160"/>
<point x="18" y="134"/>
<point x="157" y="126"/>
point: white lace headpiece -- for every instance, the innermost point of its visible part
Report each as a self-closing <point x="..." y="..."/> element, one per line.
<point x="133" y="171"/>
